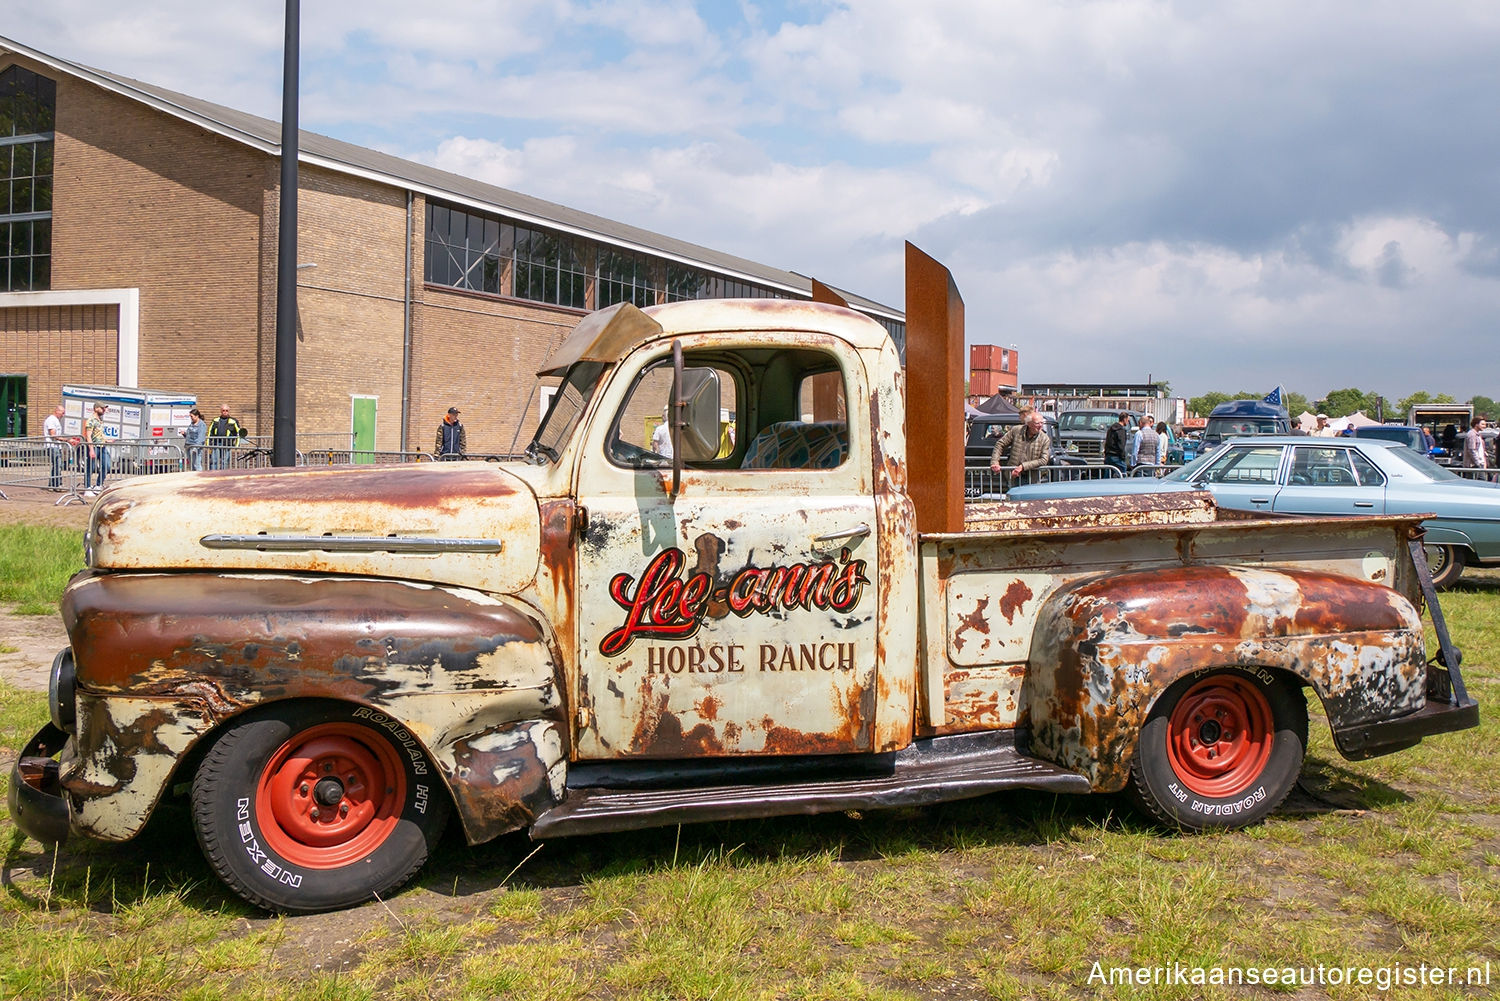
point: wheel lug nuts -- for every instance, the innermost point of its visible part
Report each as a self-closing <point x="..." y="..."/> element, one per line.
<point x="314" y="813"/>
<point x="344" y="810"/>
<point x="303" y="789"/>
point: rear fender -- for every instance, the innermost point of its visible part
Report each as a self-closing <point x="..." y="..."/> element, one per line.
<point x="1106" y="649"/>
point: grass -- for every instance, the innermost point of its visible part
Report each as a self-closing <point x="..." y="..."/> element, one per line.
<point x="35" y="563"/>
<point x="1371" y="864"/>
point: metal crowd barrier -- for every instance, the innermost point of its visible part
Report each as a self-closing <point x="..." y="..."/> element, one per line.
<point x="981" y="484"/>
<point x="359" y="457"/>
<point x="1469" y="472"/>
<point x="73" y="468"/>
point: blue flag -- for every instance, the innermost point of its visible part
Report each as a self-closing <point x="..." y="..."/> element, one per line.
<point x="1274" y="397"/>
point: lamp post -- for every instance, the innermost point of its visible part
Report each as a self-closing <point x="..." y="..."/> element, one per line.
<point x="284" y="426"/>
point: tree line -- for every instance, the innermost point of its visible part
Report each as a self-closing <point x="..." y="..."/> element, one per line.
<point x="1343" y="402"/>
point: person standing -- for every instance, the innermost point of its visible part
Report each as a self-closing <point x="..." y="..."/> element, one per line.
<point x="193" y="437"/>
<point x="1474" y="457"/>
<point x="98" y="452"/>
<point x="452" y="439"/>
<point x="661" y="438"/>
<point x="1146" y="444"/>
<point x="1117" y="444"/>
<point x="1323" y="429"/>
<point x="1163" y="443"/>
<point x="52" y="436"/>
<point x="223" y="434"/>
<point x="1025" y="447"/>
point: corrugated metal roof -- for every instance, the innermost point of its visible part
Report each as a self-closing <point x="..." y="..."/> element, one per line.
<point x="334" y="154"/>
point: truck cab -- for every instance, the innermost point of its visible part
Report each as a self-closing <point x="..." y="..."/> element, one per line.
<point x="771" y="553"/>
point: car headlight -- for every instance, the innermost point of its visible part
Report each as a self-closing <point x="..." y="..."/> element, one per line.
<point x="62" y="690"/>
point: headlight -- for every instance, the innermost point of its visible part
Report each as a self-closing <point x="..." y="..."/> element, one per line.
<point x="61" y="690"/>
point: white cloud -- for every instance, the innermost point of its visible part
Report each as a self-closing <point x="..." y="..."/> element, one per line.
<point x="1228" y="195"/>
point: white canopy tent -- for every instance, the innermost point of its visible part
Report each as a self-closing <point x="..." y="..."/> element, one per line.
<point x="1309" y="422"/>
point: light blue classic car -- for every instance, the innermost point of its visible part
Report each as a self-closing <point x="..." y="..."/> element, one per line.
<point x="1331" y="476"/>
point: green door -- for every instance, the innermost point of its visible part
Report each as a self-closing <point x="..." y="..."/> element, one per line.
<point x="13" y="406"/>
<point x="362" y="423"/>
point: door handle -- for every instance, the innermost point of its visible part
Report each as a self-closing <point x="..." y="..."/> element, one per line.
<point x="1260" y="500"/>
<point x="1364" y="503"/>
<point x="848" y="533"/>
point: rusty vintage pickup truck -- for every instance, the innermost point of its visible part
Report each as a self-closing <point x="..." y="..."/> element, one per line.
<point x="801" y="616"/>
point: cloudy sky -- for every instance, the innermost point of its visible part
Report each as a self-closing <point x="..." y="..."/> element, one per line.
<point x="1225" y="195"/>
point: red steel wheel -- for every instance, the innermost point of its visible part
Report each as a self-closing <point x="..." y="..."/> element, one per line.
<point x="1219" y="735"/>
<point x="330" y="795"/>
<point x="1220" y="749"/>
<point x="309" y="806"/>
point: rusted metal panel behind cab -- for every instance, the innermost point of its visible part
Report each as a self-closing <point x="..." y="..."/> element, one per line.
<point x="935" y="394"/>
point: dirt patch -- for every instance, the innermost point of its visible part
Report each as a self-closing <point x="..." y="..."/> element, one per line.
<point x="27" y="645"/>
<point x="30" y="506"/>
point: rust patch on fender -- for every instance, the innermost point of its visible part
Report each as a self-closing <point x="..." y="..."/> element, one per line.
<point x="975" y="620"/>
<point x="1016" y="595"/>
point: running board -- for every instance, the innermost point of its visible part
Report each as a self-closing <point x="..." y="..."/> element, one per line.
<point x="932" y="770"/>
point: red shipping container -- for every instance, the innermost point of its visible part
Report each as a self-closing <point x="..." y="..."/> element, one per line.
<point x="984" y="357"/>
<point x="984" y="383"/>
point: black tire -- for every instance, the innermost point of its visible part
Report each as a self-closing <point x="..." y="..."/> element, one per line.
<point x="1220" y="750"/>
<point x="315" y="806"/>
<point x="1446" y="564"/>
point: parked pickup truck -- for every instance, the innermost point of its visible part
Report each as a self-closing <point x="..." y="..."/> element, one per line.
<point x="330" y="663"/>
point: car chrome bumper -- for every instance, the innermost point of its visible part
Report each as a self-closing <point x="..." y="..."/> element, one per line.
<point x="37" y="803"/>
<point x="1371" y="740"/>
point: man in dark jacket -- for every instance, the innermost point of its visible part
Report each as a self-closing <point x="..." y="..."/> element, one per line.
<point x="452" y="440"/>
<point x="223" y="433"/>
<point x="1117" y="444"/>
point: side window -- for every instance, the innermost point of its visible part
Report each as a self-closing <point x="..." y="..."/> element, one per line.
<point x="640" y="437"/>
<point x="1369" y="476"/>
<point x="1246" y="465"/>
<point x="815" y="434"/>
<point x="1321" y="467"/>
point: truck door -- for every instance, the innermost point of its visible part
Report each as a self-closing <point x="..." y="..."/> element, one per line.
<point x="738" y="617"/>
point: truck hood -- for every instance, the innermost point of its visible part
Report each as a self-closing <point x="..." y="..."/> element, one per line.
<point x="466" y="523"/>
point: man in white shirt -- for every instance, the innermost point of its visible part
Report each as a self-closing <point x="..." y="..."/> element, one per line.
<point x="52" y="432"/>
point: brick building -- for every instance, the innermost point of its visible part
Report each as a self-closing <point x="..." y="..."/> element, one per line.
<point x="138" y="247"/>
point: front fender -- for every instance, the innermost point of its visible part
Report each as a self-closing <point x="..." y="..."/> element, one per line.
<point x="1106" y="648"/>
<point x="166" y="660"/>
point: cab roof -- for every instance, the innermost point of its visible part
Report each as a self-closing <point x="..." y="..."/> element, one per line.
<point x="608" y="334"/>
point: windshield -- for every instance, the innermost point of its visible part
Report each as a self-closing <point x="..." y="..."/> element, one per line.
<point x="1228" y="427"/>
<point x="568" y="405"/>
<point x="1422" y="464"/>
<point x="1086" y="422"/>
<point x="1190" y="471"/>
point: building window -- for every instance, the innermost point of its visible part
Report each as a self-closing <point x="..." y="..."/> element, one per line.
<point x="28" y="105"/>
<point x="467" y="250"/>
<point x="624" y="277"/>
<point x="549" y="269"/>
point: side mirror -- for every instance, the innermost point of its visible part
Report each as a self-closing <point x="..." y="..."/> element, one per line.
<point x="694" y="419"/>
